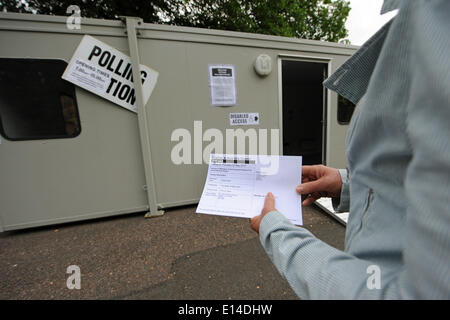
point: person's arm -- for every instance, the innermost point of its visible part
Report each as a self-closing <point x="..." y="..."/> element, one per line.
<point x="312" y="268"/>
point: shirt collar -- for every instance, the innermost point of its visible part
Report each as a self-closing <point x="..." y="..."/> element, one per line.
<point x="390" y="5"/>
<point x="352" y="78"/>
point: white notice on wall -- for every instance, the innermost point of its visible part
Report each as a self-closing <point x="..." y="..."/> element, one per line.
<point x="244" y="119"/>
<point x="222" y="84"/>
<point x="105" y="71"/>
<point x="236" y="185"/>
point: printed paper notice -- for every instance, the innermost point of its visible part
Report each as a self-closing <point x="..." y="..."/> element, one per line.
<point x="244" y="119"/>
<point x="236" y="185"/>
<point x="222" y="84"/>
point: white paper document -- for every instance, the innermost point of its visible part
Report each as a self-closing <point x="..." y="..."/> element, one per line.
<point x="236" y="185"/>
<point x="222" y="83"/>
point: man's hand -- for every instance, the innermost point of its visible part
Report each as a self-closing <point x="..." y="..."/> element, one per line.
<point x="269" y="205"/>
<point x="319" y="181"/>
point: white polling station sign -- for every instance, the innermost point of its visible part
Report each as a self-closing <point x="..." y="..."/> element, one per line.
<point x="105" y="71"/>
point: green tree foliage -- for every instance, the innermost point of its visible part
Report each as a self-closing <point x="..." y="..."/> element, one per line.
<point x="103" y="9"/>
<point x="308" y="19"/>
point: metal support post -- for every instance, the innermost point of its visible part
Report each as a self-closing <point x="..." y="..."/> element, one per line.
<point x="131" y="24"/>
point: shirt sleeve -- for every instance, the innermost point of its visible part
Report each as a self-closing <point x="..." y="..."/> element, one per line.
<point x="312" y="268"/>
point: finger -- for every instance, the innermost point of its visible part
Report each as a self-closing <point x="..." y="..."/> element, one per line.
<point x="310" y="187"/>
<point x="316" y="195"/>
<point x="269" y="202"/>
<point x="308" y="201"/>
<point x="309" y="170"/>
<point x="254" y="223"/>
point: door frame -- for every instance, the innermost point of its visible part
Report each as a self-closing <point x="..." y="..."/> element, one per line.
<point x="326" y="98"/>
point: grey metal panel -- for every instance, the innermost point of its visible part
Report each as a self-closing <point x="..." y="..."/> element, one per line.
<point x="98" y="173"/>
<point x="182" y="96"/>
<point x="53" y="24"/>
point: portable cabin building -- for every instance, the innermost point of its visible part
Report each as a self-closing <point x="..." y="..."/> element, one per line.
<point x="67" y="154"/>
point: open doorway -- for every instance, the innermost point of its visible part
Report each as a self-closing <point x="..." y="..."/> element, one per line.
<point x="304" y="110"/>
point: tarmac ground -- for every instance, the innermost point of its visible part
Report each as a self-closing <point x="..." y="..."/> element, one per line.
<point x="181" y="255"/>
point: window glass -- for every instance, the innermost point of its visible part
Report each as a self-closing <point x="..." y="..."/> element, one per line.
<point x="35" y="103"/>
<point x="345" y="110"/>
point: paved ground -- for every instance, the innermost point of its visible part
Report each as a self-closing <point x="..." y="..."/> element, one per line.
<point x="181" y="255"/>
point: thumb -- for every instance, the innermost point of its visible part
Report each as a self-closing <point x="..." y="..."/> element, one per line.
<point x="269" y="203"/>
<point x="311" y="187"/>
<point x="270" y="200"/>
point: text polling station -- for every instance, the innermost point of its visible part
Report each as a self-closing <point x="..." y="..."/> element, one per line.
<point x="107" y="72"/>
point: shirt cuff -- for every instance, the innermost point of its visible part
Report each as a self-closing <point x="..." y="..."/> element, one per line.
<point x="269" y="221"/>
<point x="342" y="204"/>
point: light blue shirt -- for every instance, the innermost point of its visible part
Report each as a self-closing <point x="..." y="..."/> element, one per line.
<point x="398" y="186"/>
